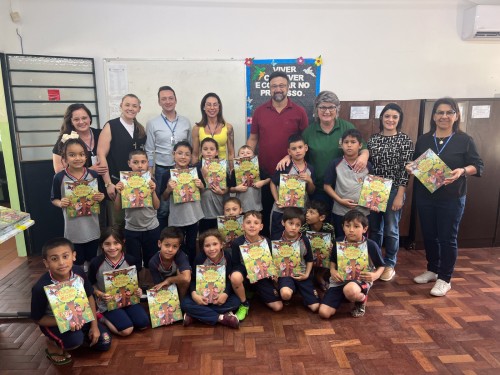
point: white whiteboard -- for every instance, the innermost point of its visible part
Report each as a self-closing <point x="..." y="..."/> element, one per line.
<point x="191" y="80"/>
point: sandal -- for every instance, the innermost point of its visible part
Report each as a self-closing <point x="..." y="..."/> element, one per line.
<point x="56" y="362"/>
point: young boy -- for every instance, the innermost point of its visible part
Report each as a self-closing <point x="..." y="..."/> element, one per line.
<point x="297" y="149"/>
<point x="232" y="207"/>
<point x="58" y="256"/>
<point x="355" y="227"/>
<point x="252" y="225"/>
<point x="293" y="219"/>
<point x="342" y="183"/>
<point x="170" y="265"/>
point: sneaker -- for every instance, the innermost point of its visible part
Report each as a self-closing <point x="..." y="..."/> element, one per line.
<point x="230" y="320"/>
<point x="426" y="277"/>
<point x="242" y="312"/>
<point x="188" y="320"/>
<point x="388" y="274"/>
<point x="359" y="308"/>
<point x="440" y="288"/>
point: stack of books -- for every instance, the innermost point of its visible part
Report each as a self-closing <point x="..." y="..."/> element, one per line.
<point x="13" y="222"/>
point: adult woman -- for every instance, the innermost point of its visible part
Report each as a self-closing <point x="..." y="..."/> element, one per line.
<point x="440" y="212"/>
<point x="213" y="125"/>
<point x="390" y="151"/>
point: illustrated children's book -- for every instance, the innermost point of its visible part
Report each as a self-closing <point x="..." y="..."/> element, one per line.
<point x="375" y="193"/>
<point x="352" y="259"/>
<point x="10" y="217"/>
<point x="210" y="281"/>
<point x="430" y="170"/>
<point x="217" y="172"/>
<point x="292" y="191"/>
<point x="286" y="257"/>
<point x="230" y="228"/>
<point x="321" y="245"/>
<point x="164" y="306"/>
<point x="121" y="284"/>
<point x="80" y="195"/>
<point x="246" y="171"/>
<point x="69" y="303"/>
<point x="186" y="190"/>
<point x="136" y="192"/>
<point x="258" y="261"/>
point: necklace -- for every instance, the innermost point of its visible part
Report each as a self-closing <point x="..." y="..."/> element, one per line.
<point x="212" y="133"/>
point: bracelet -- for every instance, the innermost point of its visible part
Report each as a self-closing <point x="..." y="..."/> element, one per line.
<point x="108" y="184"/>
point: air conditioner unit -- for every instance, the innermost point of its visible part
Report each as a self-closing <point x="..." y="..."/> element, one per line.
<point x="481" y="22"/>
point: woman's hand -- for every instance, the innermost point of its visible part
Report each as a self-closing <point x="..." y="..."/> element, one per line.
<point x="100" y="168"/>
<point x="410" y="167"/>
<point x="111" y="191"/>
<point x="398" y="202"/>
<point x="360" y="164"/>
<point x="65" y="202"/>
<point x="455" y="175"/>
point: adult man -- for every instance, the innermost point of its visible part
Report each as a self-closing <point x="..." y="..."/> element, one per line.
<point x="163" y="132"/>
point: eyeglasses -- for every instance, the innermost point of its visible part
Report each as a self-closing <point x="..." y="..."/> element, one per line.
<point x="211" y="105"/>
<point x="447" y="113"/>
<point x="330" y="108"/>
<point x="280" y="86"/>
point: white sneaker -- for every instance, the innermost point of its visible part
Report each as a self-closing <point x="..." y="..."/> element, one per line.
<point x="388" y="274"/>
<point x="426" y="277"/>
<point x="440" y="288"/>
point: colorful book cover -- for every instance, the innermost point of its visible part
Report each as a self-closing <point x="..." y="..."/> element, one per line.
<point x="286" y="257"/>
<point x="258" y="261"/>
<point x="321" y="245"/>
<point x="217" y="172"/>
<point x="69" y="303"/>
<point x="121" y="284"/>
<point x="10" y="217"/>
<point x="352" y="259"/>
<point x="430" y="170"/>
<point x="210" y="281"/>
<point x="246" y="171"/>
<point x="230" y="228"/>
<point x="292" y="191"/>
<point x="186" y="190"/>
<point x="164" y="306"/>
<point x="375" y="193"/>
<point x="81" y="197"/>
<point x="136" y="192"/>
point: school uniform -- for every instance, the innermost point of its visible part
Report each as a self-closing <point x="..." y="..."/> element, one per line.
<point x="251" y="200"/>
<point x="159" y="271"/>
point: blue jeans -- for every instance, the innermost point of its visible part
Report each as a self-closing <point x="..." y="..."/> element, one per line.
<point x="384" y="227"/>
<point x="440" y="220"/>
<point x="162" y="213"/>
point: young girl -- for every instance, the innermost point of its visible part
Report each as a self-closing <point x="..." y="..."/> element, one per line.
<point x="196" y="306"/>
<point x="120" y="321"/>
<point x="83" y="231"/>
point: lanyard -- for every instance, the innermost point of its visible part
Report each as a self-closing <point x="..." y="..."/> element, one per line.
<point x="174" y="123"/>
<point x="445" y="144"/>
<point x="89" y="146"/>
<point x="298" y="170"/>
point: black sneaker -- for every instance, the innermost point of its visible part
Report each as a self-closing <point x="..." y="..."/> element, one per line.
<point x="359" y="309"/>
<point x="188" y="320"/>
<point x="230" y="320"/>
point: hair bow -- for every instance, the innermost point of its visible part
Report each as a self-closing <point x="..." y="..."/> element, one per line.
<point x="72" y="135"/>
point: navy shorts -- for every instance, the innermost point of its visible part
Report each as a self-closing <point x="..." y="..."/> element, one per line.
<point x="131" y="316"/>
<point x="305" y="287"/>
<point x="74" y="339"/>
<point x="334" y="296"/>
<point x="264" y="288"/>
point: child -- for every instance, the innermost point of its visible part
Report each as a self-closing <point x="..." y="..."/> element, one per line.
<point x="196" y="306"/>
<point x="250" y="197"/>
<point x="213" y="196"/>
<point x="342" y="183"/>
<point x="252" y="225"/>
<point x="170" y="266"/>
<point x="120" y="321"/>
<point x="142" y="228"/>
<point x="355" y="226"/>
<point x="232" y="207"/>
<point x="58" y="256"/>
<point x="316" y="214"/>
<point x="83" y="231"/>
<point x="297" y="149"/>
<point x="293" y="219"/>
<point x="184" y="216"/>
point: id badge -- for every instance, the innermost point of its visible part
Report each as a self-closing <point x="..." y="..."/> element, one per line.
<point x="94" y="159"/>
<point x="172" y="140"/>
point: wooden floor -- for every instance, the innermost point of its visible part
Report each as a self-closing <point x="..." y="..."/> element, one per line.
<point x="405" y="331"/>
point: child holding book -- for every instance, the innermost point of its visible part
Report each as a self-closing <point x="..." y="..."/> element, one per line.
<point x="232" y="208"/>
<point x="83" y="230"/>
<point x="355" y="227"/>
<point x="197" y="306"/>
<point x="123" y="320"/>
<point x="170" y="265"/>
<point x="293" y="219"/>
<point x="297" y="149"/>
<point x="58" y="256"/>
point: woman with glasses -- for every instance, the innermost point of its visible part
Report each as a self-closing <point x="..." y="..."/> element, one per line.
<point x="440" y="212"/>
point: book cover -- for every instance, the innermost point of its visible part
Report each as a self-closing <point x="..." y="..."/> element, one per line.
<point x="210" y="281"/>
<point x="230" y="228"/>
<point x="352" y="259"/>
<point x="216" y="172"/>
<point x="286" y="257"/>
<point x="375" y="193"/>
<point x="321" y="245"/>
<point x="186" y="190"/>
<point x="258" y="261"/>
<point x="69" y="303"/>
<point x="136" y="192"/>
<point x="10" y="217"/>
<point x="164" y="306"/>
<point x="430" y="170"/>
<point x="246" y="171"/>
<point x="80" y="195"/>
<point x="15" y="229"/>
<point x="121" y="284"/>
<point x="292" y="191"/>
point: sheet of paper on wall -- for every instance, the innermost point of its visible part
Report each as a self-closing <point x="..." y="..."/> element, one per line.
<point x="117" y="80"/>
<point x="462" y="113"/>
<point x="378" y="110"/>
<point x="360" y="113"/>
<point x="481" y="111"/>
